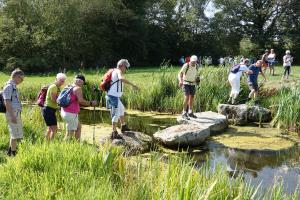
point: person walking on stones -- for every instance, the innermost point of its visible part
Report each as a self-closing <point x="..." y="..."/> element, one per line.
<point x="50" y="106"/>
<point x="70" y="112"/>
<point x="13" y="110"/>
<point x="253" y="80"/>
<point x="271" y="61"/>
<point x="113" y="96"/>
<point x="234" y="79"/>
<point x="287" y="63"/>
<point x="187" y="80"/>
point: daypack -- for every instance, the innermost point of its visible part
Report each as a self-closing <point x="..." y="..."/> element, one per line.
<point x="106" y="81"/>
<point x="2" y="105"/>
<point x="64" y="97"/>
<point x="235" y="69"/>
<point x="42" y="96"/>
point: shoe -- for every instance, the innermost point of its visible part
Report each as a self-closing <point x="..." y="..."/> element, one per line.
<point x="235" y="101"/>
<point x="115" y="135"/>
<point x="13" y="153"/>
<point x="256" y="103"/>
<point x="8" y="153"/>
<point x="229" y="100"/>
<point x="192" y="115"/>
<point x="124" y="128"/>
<point x="185" y="116"/>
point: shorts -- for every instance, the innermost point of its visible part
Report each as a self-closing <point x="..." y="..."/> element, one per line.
<point x="253" y="86"/>
<point x="15" y="130"/>
<point x="117" y="112"/>
<point x="49" y="116"/>
<point x="265" y="64"/>
<point x="71" y="119"/>
<point x="189" y="90"/>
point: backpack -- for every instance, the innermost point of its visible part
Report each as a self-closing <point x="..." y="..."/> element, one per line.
<point x="2" y="105"/>
<point x="42" y="96"/>
<point x="106" y="81"/>
<point x="235" y="69"/>
<point x="64" y="97"/>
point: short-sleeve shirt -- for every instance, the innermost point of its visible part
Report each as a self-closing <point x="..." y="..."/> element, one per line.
<point x="116" y="88"/>
<point x="287" y="60"/>
<point x="10" y="92"/>
<point x="49" y="102"/>
<point x="242" y="69"/>
<point x="189" y="74"/>
<point x="252" y="78"/>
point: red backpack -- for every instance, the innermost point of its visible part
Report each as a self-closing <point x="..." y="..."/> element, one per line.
<point x="106" y="81"/>
<point x="42" y="96"/>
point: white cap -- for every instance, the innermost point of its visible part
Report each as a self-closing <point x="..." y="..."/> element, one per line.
<point x="61" y="76"/>
<point x="194" y="58"/>
<point x="288" y="52"/>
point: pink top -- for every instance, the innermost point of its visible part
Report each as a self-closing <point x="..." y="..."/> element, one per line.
<point x="74" y="106"/>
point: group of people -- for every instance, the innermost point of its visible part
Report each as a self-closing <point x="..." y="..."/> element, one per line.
<point x="68" y="113"/>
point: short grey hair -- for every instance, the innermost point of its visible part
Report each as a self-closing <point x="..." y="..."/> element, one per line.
<point x="17" y="72"/>
<point x="123" y="62"/>
<point x="61" y="76"/>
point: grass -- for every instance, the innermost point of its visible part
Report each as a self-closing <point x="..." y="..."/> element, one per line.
<point x="72" y="170"/>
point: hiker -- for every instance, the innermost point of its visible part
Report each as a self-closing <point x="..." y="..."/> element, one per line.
<point x="187" y="80"/>
<point x="181" y="60"/>
<point x="13" y="110"/>
<point x="287" y="63"/>
<point x="50" y="105"/>
<point x="271" y="61"/>
<point x="264" y="59"/>
<point x="253" y="79"/>
<point x="234" y="79"/>
<point x="70" y="112"/>
<point x="113" y="96"/>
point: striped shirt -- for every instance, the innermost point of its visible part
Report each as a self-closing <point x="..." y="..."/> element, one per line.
<point x="10" y="92"/>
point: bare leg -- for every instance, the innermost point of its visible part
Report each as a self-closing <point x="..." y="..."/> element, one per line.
<point x="69" y="135"/>
<point x="122" y="120"/>
<point x="13" y="144"/>
<point x="51" y="132"/>
<point x="78" y="131"/>
<point x="185" y="103"/>
<point x="191" y="101"/>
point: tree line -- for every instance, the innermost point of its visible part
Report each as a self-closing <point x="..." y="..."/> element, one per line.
<point x="43" y="35"/>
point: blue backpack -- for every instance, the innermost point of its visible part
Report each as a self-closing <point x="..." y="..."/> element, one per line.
<point x="64" y="98"/>
<point x="235" y="69"/>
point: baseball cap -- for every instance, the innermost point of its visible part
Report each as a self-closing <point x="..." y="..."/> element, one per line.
<point x="194" y="58"/>
<point x="80" y="77"/>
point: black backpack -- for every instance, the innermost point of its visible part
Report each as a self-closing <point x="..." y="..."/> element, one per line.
<point x="2" y="105"/>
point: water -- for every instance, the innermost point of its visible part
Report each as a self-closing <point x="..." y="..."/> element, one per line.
<point x="257" y="168"/>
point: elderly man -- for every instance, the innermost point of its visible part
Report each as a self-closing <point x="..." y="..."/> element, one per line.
<point x="187" y="80"/>
<point x="253" y="79"/>
<point x="114" y="94"/>
<point x="13" y="109"/>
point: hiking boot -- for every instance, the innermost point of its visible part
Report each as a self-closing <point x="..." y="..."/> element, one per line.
<point x="124" y="128"/>
<point x="8" y="153"/>
<point x="185" y="116"/>
<point x="115" y="135"/>
<point x="192" y="115"/>
<point x="229" y="100"/>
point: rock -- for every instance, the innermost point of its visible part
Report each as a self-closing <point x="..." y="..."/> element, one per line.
<point x="243" y="114"/>
<point x="134" y="142"/>
<point x="183" y="135"/>
<point x="215" y="121"/>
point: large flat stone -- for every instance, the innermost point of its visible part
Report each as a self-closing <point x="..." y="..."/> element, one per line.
<point x="217" y="122"/>
<point x="183" y="135"/>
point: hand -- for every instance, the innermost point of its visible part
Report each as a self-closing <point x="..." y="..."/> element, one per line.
<point x="94" y="103"/>
<point x="14" y="119"/>
<point x="180" y="84"/>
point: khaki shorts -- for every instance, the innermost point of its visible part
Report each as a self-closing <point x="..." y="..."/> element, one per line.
<point x="15" y="130"/>
<point x="71" y="120"/>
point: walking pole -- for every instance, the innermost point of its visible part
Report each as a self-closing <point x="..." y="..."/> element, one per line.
<point x="94" y="115"/>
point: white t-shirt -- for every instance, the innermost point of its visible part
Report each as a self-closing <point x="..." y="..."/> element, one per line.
<point x="287" y="60"/>
<point x="239" y="73"/>
<point x="116" y="89"/>
<point x="271" y="56"/>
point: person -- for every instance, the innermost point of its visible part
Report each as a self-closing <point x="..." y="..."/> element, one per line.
<point x="13" y="110"/>
<point x="181" y="61"/>
<point x="187" y="59"/>
<point x="50" y="106"/>
<point x="287" y="63"/>
<point x="234" y="79"/>
<point x="264" y="59"/>
<point x="271" y="61"/>
<point x="113" y="96"/>
<point x="253" y="79"/>
<point x="187" y="80"/>
<point x="70" y="113"/>
<point x="222" y="61"/>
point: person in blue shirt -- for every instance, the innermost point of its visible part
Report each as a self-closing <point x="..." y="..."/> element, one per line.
<point x="253" y="79"/>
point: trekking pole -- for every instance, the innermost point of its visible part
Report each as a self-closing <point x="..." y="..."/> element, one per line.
<point x="95" y="90"/>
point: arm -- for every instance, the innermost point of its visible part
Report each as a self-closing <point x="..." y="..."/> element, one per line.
<point x="81" y="100"/>
<point x="180" y="76"/>
<point x="9" y="109"/>
<point x="54" y="95"/>
<point x="124" y="80"/>
<point x="262" y="73"/>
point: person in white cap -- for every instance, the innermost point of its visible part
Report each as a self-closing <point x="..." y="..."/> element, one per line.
<point x="187" y="80"/>
<point x="287" y="63"/>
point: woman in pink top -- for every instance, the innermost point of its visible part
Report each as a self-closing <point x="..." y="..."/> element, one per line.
<point x="70" y="113"/>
